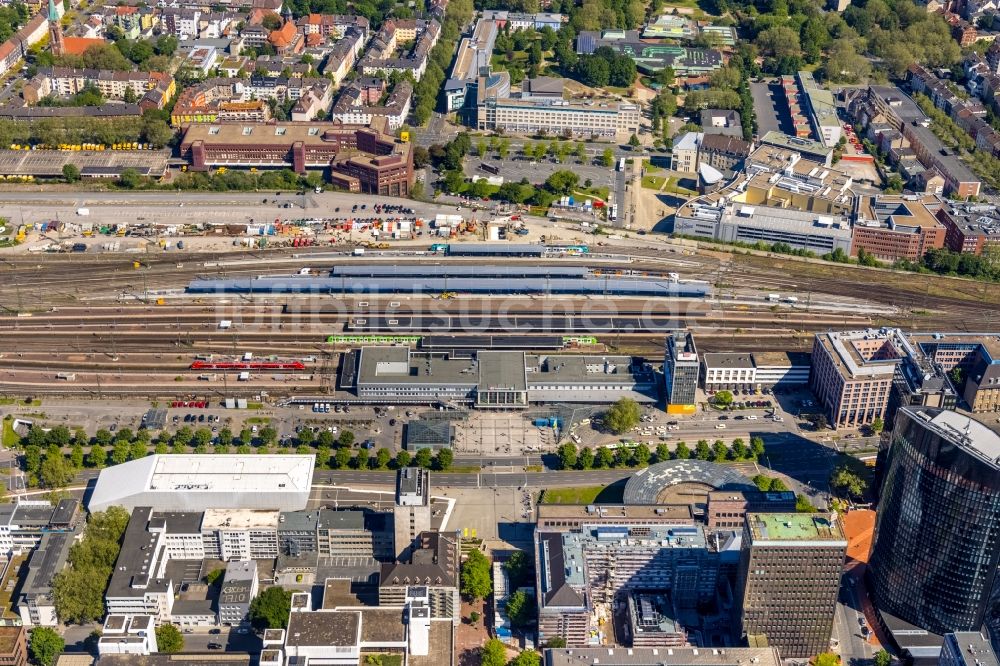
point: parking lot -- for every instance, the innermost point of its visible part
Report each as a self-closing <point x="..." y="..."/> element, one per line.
<point x="770" y="107"/>
<point x="51" y="162"/>
<point x="501" y="435"/>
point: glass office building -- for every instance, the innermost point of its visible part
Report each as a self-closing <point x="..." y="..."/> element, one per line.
<point x="935" y="552"/>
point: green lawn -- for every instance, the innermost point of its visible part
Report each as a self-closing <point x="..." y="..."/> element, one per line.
<point x="585" y="495"/>
<point x="10" y="438"/>
<point x="672" y="186"/>
<point x="592" y="192"/>
<point x="34" y="402"/>
<point x="654" y="182"/>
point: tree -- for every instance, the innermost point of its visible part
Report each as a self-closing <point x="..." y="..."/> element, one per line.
<point x="166" y="45"/>
<point x="346" y="438"/>
<point x="757" y="447"/>
<point x="520" y="608"/>
<point x="202" y="436"/>
<point x="475" y="576"/>
<point x="604" y="458"/>
<point x="622" y="416"/>
<point x="169" y="639"/>
<point x="269" y="609"/>
<point x="71" y="173"/>
<point x="740" y="450"/>
<point x="633" y="141"/>
<point x="779" y="42"/>
<point x="268" y="436"/>
<point x="442" y="462"/>
<point x="97" y="456"/>
<point x="820" y="421"/>
<point x="79" y="594"/>
<point x="723" y="398"/>
<point x="342" y="458"/>
<point x="55" y="471"/>
<point x="607" y="157"/>
<point x="403" y="459"/>
<point x="662" y="452"/>
<point x="826" y="659"/>
<point x="682" y="452"/>
<point x="424" y="458"/>
<point x="382" y="458"/>
<point x="518" y="568"/>
<point x="641" y="455"/>
<point x="878" y="425"/>
<point x="526" y="658"/>
<point x="803" y="505"/>
<point x="567" y="456"/>
<point x="76" y="455"/>
<point x="46" y="645"/>
<point x="585" y="459"/>
<point x="847" y="482"/>
<point x="562" y="182"/>
<point x="78" y="590"/>
<point x="719" y="451"/>
<point x="702" y="451"/>
<point x="129" y="178"/>
<point x="156" y="131"/>
<point x="556" y="642"/>
<point x="883" y="658"/>
<point x="493" y="653"/>
<point x="119" y="454"/>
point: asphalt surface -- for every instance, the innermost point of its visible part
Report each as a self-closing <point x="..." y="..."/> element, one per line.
<point x="853" y="648"/>
<point x="767" y="106"/>
<point x="481" y="480"/>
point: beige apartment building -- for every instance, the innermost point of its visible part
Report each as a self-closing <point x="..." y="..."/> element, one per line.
<point x="852" y="374"/>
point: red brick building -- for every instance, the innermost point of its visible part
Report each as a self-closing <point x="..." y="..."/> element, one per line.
<point x="896" y="227"/>
<point x="13" y="646"/>
<point x="359" y="158"/>
<point x="969" y="227"/>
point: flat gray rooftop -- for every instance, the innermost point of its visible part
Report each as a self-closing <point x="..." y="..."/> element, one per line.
<point x="502" y="370"/>
<point x="392" y="365"/>
<point x="326" y="628"/>
<point x="684" y="656"/>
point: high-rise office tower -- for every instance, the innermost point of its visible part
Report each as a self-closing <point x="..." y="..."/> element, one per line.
<point x="790" y="569"/>
<point x="937" y="535"/>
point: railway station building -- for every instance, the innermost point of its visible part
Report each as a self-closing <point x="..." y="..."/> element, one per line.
<point x="496" y="379"/>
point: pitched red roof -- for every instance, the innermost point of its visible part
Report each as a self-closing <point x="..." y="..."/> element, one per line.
<point x="77" y="45"/>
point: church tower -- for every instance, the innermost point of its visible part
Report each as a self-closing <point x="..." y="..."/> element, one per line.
<point x="56" y="42"/>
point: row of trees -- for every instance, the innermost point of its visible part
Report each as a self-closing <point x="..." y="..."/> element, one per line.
<point x="494" y="653"/>
<point x="12" y="17"/>
<point x="46" y="464"/>
<point x="640" y="455"/>
<point x="150" y="128"/>
<point x="985" y="266"/>
<point x="428" y="88"/>
<point x="604" y="67"/>
<point x="78" y="590"/>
